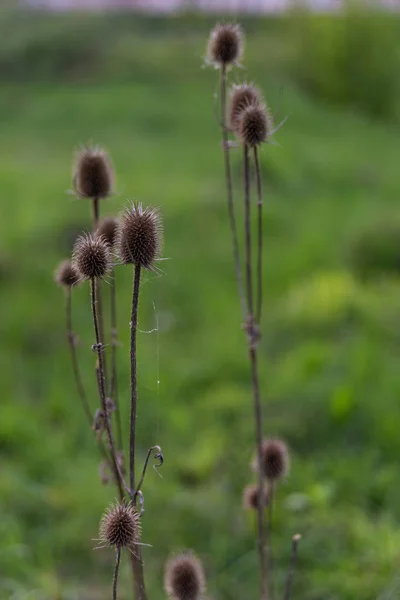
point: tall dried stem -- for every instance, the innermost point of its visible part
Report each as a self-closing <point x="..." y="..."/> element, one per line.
<point x="259" y="238"/>
<point x="116" y="572"/>
<point x="114" y="345"/>
<point x="101" y="380"/>
<point x="137" y="563"/>
<point x="229" y="189"/>
<point x="252" y="336"/>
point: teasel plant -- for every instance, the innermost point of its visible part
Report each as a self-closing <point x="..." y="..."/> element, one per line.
<point x="244" y="114"/>
<point x="135" y="239"/>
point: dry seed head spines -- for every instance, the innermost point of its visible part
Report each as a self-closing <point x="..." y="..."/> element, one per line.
<point x="93" y="175"/>
<point x="92" y="257"/>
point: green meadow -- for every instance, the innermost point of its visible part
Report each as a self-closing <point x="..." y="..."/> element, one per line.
<point x="330" y="352"/>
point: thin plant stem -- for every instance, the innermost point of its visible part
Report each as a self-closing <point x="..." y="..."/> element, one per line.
<point x="74" y="359"/>
<point x="252" y="341"/>
<point x="101" y="380"/>
<point x="137" y="563"/>
<point x="259" y="237"/>
<point x="229" y="189"/>
<point x="77" y="373"/>
<point x="157" y="453"/>
<point x="270" y="557"/>
<point x="96" y="220"/>
<point x="295" y="543"/>
<point x="114" y="345"/>
<point x="116" y="572"/>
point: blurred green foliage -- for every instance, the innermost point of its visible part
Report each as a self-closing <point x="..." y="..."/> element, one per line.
<point x="330" y="351"/>
<point x="351" y="59"/>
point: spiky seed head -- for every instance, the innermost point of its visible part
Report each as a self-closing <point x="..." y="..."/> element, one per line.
<point x="66" y="275"/>
<point x="250" y="497"/>
<point x="255" y="125"/>
<point x="275" y="459"/>
<point x="242" y="96"/>
<point x="108" y="229"/>
<point x="91" y="256"/>
<point x="93" y="175"/>
<point x="120" y="526"/>
<point x="140" y="236"/>
<point x="225" y="45"/>
<point x="184" y="577"/>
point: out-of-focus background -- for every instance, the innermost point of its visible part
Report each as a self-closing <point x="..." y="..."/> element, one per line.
<point x="133" y="82"/>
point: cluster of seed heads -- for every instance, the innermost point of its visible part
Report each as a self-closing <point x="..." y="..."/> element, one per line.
<point x="120" y="526"/>
<point x="225" y="45"/>
<point x="93" y="175"/>
<point x="184" y="578"/>
<point x="250" y="118"/>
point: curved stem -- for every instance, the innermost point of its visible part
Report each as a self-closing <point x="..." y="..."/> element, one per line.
<point x="229" y="189"/>
<point x="259" y="237"/>
<point x="116" y="572"/>
<point x="74" y="359"/>
<point x="101" y="380"/>
<point x="114" y="344"/>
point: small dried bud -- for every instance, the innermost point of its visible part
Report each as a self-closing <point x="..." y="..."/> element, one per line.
<point x="242" y="96"/>
<point x="225" y="45"/>
<point x="108" y="229"/>
<point x="91" y="257"/>
<point x="250" y="497"/>
<point x="275" y="459"/>
<point x="255" y="125"/>
<point x="93" y="175"/>
<point x="120" y="526"/>
<point x="184" y="577"/>
<point x="66" y="275"/>
<point x="140" y="236"/>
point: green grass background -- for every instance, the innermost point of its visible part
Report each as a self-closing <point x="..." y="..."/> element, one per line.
<point x="330" y="354"/>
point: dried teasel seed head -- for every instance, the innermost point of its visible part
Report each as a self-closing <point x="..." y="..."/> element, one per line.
<point x="93" y="175"/>
<point x="184" y="577"/>
<point x="140" y="236"/>
<point x="242" y="96"/>
<point x="255" y="125"/>
<point x="250" y="497"/>
<point x="225" y="45"/>
<point x="66" y="275"/>
<point x="91" y="257"/>
<point x="275" y="460"/>
<point x="108" y="229"/>
<point x="120" y="526"/>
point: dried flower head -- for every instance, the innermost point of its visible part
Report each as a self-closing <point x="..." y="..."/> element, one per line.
<point x="93" y="175"/>
<point x="120" y="526"/>
<point x="108" y="229"/>
<point x="91" y="256"/>
<point x="250" y="497"/>
<point x="242" y="96"/>
<point x="225" y="45"/>
<point x="255" y="125"/>
<point x="184" y="577"/>
<point x="66" y="275"/>
<point x="275" y="459"/>
<point x="140" y="236"/>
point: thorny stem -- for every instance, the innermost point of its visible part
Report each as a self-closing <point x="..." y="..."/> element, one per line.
<point x="252" y="341"/>
<point x="231" y="209"/>
<point x="259" y="237"/>
<point x="295" y="542"/>
<point x="137" y="563"/>
<point x="158" y="455"/>
<point x="101" y="380"/>
<point x="270" y="559"/>
<point x="114" y="344"/>
<point x="96" y="219"/>
<point x="116" y="571"/>
<point x="74" y="359"/>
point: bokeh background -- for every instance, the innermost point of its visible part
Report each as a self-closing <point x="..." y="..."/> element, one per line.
<point x="330" y="354"/>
